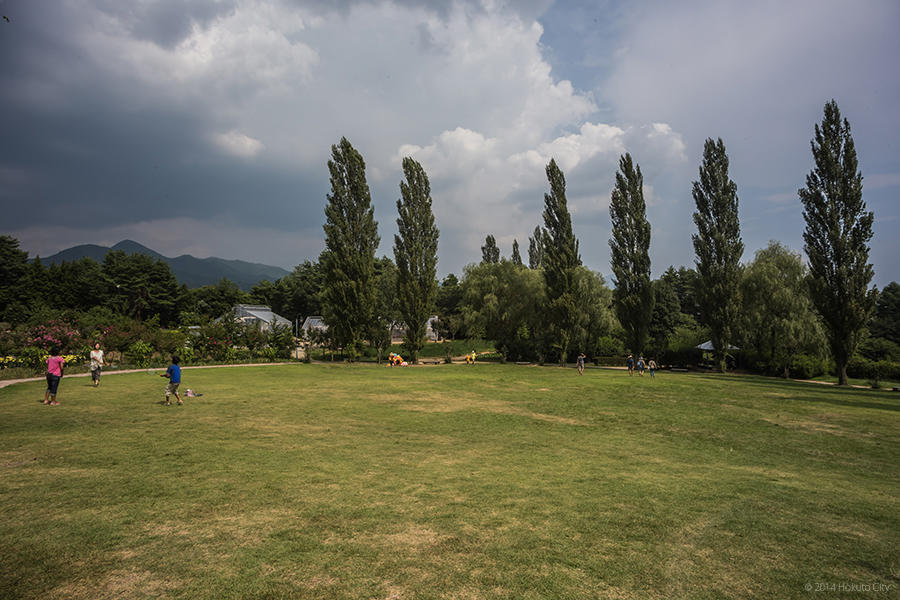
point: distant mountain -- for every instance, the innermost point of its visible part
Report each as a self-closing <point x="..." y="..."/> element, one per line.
<point x="189" y="270"/>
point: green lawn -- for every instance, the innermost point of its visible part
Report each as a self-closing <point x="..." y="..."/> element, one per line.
<point x="491" y="481"/>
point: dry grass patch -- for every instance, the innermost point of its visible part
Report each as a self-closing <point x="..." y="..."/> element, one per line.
<point x="450" y="403"/>
<point x="115" y="585"/>
<point x="11" y="459"/>
<point x="811" y="426"/>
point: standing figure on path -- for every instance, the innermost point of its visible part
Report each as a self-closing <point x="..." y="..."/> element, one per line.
<point x="630" y="364"/>
<point x="96" y="363"/>
<point x="55" y="365"/>
<point x="652" y="366"/>
<point x="640" y="366"/>
<point x="470" y="358"/>
<point x="173" y="374"/>
<point x="580" y="363"/>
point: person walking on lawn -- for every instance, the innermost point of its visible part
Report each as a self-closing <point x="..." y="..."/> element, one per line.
<point x="173" y="374"/>
<point x="55" y="365"/>
<point x="97" y="363"/>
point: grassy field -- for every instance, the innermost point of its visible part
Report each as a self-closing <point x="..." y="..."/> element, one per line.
<point x="492" y="481"/>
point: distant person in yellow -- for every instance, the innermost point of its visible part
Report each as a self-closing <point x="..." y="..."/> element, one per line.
<point x="470" y="358"/>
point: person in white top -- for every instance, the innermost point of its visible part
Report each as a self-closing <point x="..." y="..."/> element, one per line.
<point x="96" y="364"/>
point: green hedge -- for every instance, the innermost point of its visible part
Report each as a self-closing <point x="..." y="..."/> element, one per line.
<point x="881" y="370"/>
<point x="805" y="366"/>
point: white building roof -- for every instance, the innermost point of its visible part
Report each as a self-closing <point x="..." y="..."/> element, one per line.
<point x="259" y="312"/>
<point x="314" y="323"/>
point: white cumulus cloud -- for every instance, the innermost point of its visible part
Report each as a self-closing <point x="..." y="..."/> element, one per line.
<point x="238" y="144"/>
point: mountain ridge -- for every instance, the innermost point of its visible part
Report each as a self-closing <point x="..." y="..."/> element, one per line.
<point x="189" y="270"/>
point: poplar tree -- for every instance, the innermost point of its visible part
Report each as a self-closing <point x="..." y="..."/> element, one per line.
<point x="630" y="259"/>
<point x="348" y="261"/>
<point x="415" y="252"/>
<point x="490" y="253"/>
<point x="516" y="257"/>
<point x="560" y="260"/>
<point x="837" y="235"/>
<point x="718" y="247"/>
<point x="536" y="248"/>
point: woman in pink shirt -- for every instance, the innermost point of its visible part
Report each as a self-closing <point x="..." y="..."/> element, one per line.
<point x="55" y="366"/>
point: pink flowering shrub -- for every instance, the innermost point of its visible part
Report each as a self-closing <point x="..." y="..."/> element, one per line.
<point x="55" y="333"/>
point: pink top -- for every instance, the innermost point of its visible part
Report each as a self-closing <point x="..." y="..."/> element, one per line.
<point x="55" y="365"/>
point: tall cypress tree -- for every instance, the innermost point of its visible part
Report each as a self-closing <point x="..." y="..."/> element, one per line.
<point x="630" y="258"/>
<point x="415" y="251"/>
<point x="838" y="230"/>
<point x="560" y="260"/>
<point x="348" y="261"/>
<point x="490" y="253"/>
<point x="718" y="247"/>
<point x="536" y="248"/>
<point x="516" y="256"/>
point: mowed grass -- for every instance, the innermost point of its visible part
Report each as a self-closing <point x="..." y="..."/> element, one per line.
<point x="492" y="481"/>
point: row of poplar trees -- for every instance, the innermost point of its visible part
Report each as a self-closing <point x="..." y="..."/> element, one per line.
<point x="836" y="242"/>
<point x="838" y="231"/>
<point x="348" y="261"/>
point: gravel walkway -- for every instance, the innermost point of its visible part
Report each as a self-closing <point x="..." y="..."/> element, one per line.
<point x="7" y="382"/>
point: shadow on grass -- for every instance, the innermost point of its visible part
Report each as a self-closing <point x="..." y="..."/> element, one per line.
<point x="828" y="394"/>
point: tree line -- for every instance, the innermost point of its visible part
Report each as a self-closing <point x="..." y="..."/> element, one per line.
<point x="776" y="305"/>
<point x="778" y="310"/>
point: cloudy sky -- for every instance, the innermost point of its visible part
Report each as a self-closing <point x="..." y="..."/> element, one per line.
<point x="204" y="126"/>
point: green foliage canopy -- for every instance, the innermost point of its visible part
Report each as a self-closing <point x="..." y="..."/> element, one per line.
<point x="777" y="314"/>
<point x="502" y="302"/>
<point x="886" y="319"/>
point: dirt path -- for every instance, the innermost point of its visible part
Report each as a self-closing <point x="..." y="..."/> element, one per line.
<point x="6" y="382"/>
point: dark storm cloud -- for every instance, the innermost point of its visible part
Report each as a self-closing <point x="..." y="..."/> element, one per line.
<point x="205" y="126"/>
<point x="110" y="167"/>
<point x="89" y="146"/>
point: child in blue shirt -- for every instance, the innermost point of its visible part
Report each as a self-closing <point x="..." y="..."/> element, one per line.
<point x="173" y="374"/>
